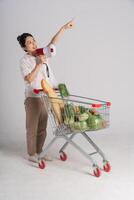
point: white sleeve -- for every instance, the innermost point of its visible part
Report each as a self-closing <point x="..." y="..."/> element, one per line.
<point x="24" y="66"/>
<point x="50" y="50"/>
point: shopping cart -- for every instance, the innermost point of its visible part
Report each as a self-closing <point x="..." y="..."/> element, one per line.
<point x="79" y="115"/>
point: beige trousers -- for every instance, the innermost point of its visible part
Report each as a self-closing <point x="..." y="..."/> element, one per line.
<point x="36" y="124"/>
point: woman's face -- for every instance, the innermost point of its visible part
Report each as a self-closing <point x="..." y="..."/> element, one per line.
<point x="30" y="45"/>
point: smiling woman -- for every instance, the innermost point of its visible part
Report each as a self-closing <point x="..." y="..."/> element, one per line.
<point x="23" y="39"/>
<point x="30" y="44"/>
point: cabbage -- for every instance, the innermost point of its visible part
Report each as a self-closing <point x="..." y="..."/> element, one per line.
<point x="95" y="122"/>
<point x="83" y="117"/>
<point x="79" y="126"/>
<point x="84" y="126"/>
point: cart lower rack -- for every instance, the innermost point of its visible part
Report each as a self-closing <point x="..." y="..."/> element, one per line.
<point x="76" y="114"/>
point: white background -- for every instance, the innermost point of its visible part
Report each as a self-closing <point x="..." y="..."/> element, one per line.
<point x="94" y="59"/>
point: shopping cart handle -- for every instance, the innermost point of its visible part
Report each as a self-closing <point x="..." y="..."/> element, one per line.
<point x="37" y="91"/>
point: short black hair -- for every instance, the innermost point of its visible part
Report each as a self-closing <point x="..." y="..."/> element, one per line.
<point x="22" y="39"/>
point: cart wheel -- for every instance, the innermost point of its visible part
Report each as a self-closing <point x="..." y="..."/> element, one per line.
<point x="107" y="167"/>
<point x="63" y="156"/>
<point x="97" y="172"/>
<point x="41" y="164"/>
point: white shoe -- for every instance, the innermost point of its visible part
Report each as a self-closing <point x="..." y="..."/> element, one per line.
<point x="34" y="158"/>
<point x="47" y="157"/>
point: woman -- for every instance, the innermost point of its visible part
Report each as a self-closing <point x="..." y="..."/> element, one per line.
<point x="35" y="68"/>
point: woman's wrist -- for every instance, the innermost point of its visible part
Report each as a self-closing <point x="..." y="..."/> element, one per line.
<point x="38" y="65"/>
<point x="63" y="28"/>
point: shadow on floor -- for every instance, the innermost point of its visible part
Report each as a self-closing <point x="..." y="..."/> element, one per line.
<point x="12" y="145"/>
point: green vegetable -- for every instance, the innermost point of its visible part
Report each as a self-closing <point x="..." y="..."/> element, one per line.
<point x="76" y="126"/>
<point x="79" y="126"/>
<point x="83" y="109"/>
<point x="83" y="117"/>
<point x="95" y="122"/>
<point x="63" y="90"/>
<point x="68" y="114"/>
<point x="84" y="126"/>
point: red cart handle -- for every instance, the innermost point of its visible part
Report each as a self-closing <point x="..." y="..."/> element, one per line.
<point x="97" y="105"/>
<point x="37" y="91"/>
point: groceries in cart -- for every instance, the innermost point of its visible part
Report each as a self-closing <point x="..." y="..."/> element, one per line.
<point x="73" y="114"/>
<point x="79" y="118"/>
